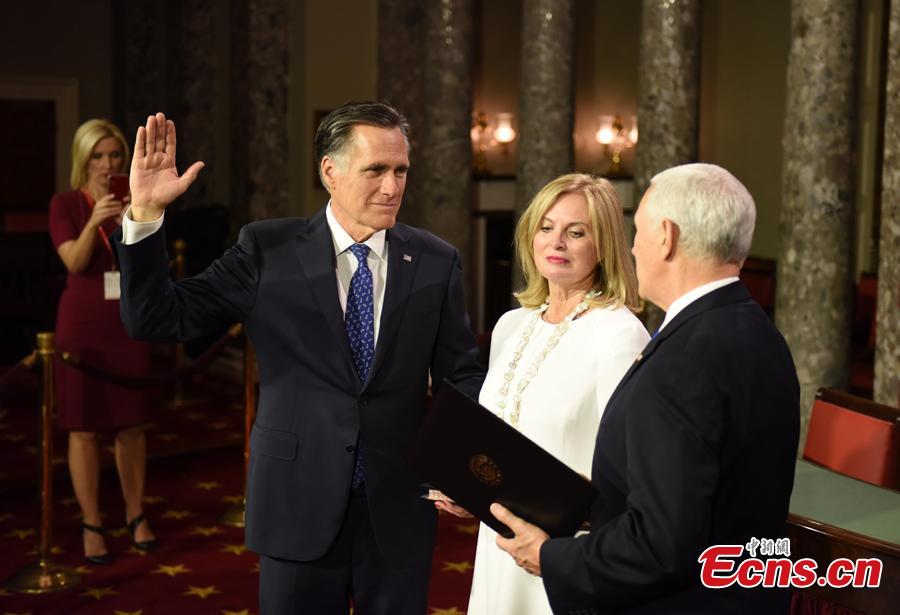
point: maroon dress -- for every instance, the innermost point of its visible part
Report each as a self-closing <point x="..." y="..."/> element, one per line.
<point x="90" y="326"/>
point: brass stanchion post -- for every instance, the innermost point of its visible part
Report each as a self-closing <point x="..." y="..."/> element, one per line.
<point x="44" y="576"/>
<point x="234" y="514"/>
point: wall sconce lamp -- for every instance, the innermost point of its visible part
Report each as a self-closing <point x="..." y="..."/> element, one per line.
<point x="486" y="135"/>
<point x="615" y="138"/>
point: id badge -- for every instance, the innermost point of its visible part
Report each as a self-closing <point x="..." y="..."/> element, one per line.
<point x="111" y="285"/>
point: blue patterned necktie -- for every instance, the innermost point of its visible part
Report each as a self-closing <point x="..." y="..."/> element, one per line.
<point x="360" y="322"/>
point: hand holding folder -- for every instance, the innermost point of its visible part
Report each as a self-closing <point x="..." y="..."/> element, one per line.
<point x="475" y="458"/>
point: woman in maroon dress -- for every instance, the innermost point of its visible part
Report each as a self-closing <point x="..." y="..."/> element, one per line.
<point x="88" y="324"/>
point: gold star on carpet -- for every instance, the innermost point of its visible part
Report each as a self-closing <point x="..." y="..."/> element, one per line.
<point x="470" y="528"/>
<point x="176" y="514"/>
<point x="99" y="592"/>
<point x="153" y="499"/>
<point x="219" y="425"/>
<point x="138" y="612"/>
<point x="5" y="517"/>
<point x="232" y="499"/>
<point x="54" y="550"/>
<point x="202" y="592"/>
<point x="68" y="501"/>
<point x="460" y="567"/>
<point x="194" y="416"/>
<point x="83" y="570"/>
<point x="206" y="531"/>
<point x="207" y="485"/>
<point x="236" y="549"/>
<point x="168" y="437"/>
<point x="117" y="531"/>
<point x="244" y="612"/>
<point x="171" y="570"/>
<point x="451" y="611"/>
<point x="137" y="551"/>
<point x="21" y="534"/>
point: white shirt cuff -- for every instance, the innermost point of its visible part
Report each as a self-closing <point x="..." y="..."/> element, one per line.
<point x="134" y="231"/>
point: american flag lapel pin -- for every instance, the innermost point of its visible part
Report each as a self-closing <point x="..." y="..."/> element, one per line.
<point x="407" y="258"/>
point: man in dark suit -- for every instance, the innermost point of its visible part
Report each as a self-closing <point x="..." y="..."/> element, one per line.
<point x="349" y="314"/>
<point x="697" y="444"/>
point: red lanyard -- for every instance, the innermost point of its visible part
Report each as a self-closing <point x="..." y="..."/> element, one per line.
<point x="102" y="232"/>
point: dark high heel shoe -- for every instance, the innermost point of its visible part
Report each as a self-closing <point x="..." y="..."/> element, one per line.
<point x="98" y="560"/>
<point x="144" y="545"/>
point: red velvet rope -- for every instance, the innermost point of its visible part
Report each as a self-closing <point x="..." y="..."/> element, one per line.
<point x="24" y="364"/>
<point x="132" y="381"/>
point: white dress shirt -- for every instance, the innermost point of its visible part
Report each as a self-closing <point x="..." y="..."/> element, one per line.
<point x="134" y="231"/>
<point x="692" y="295"/>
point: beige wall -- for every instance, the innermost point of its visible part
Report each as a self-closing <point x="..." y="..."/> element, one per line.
<point x="497" y="72"/>
<point x="70" y="40"/>
<point x="606" y="75"/>
<point x="334" y="58"/>
<point x="744" y="63"/>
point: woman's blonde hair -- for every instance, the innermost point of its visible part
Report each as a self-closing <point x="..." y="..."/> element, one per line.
<point x="614" y="277"/>
<point x="86" y="139"/>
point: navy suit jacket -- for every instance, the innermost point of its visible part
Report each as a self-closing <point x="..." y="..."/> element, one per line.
<point x="696" y="447"/>
<point x="279" y="280"/>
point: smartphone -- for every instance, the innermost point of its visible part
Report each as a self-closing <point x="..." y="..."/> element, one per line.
<point x="118" y="185"/>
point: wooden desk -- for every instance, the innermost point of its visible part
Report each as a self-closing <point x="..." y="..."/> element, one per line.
<point x="835" y="516"/>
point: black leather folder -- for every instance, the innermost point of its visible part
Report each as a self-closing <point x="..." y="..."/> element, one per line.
<point x="475" y="458"/>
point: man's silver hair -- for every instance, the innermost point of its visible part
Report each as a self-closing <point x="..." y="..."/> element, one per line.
<point x="713" y="210"/>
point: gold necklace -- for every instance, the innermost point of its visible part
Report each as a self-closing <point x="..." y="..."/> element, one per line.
<point x="558" y="331"/>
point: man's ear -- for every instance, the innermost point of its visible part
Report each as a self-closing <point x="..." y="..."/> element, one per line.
<point x="669" y="239"/>
<point x="328" y="167"/>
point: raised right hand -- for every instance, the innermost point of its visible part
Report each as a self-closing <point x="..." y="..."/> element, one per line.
<point x="154" y="180"/>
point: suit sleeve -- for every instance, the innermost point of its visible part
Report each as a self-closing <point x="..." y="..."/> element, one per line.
<point x="455" y="354"/>
<point x="674" y="421"/>
<point x="153" y="307"/>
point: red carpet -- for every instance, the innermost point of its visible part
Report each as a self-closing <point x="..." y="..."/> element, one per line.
<point x="202" y="565"/>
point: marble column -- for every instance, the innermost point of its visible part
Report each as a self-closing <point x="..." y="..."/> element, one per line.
<point x="668" y="95"/>
<point x="401" y="45"/>
<point x="443" y="163"/>
<point x="813" y="293"/>
<point x="887" y="333"/>
<point x="146" y="62"/>
<point x="200" y="65"/>
<point x="546" y="100"/>
<point x="260" y="95"/>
